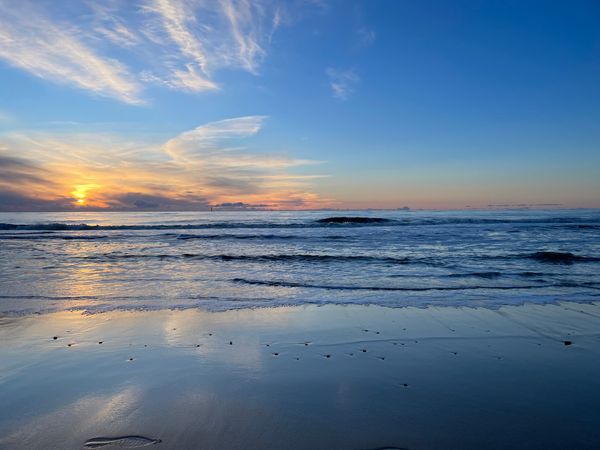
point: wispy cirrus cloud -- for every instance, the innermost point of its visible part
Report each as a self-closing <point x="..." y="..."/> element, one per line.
<point x="117" y="48"/>
<point x="366" y="36"/>
<point x="342" y="82"/>
<point x="210" y="36"/>
<point x="51" y="51"/>
<point x="205" y="166"/>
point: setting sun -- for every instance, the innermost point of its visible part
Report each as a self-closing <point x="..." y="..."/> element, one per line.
<point x="80" y="193"/>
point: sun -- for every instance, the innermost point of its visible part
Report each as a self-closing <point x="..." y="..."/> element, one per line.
<point x="80" y="193"/>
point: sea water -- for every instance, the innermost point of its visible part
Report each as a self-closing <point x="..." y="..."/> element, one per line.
<point x="98" y="261"/>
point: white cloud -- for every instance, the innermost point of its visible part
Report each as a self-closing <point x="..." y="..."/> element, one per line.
<point x="209" y="37"/>
<point x="366" y="36"/>
<point x="205" y="147"/>
<point x="210" y="162"/>
<point x="342" y="82"/>
<point x="54" y="51"/>
<point x="179" y="44"/>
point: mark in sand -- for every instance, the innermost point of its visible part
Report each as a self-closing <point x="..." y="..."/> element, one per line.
<point x="121" y="441"/>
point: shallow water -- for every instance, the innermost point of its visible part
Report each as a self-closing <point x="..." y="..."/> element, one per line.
<point x="227" y="260"/>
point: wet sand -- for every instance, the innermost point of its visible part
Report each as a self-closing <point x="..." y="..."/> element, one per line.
<point x="331" y="377"/>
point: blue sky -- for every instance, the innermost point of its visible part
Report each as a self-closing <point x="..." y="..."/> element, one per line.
<point x="167" y="104"/>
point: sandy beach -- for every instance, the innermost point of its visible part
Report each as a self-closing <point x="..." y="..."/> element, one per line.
<point x="330" y="377"/>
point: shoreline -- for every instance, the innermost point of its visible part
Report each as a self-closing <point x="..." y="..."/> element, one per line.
<point x="347" y="377"/>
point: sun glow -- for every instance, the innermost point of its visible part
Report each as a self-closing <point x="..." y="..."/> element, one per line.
<point x="80" y="193"/>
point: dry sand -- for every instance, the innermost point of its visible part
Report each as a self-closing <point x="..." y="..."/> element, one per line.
<point x="329" y="377"/>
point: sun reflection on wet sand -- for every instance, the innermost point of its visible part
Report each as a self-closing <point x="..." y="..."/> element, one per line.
<point x="295" y="377"/>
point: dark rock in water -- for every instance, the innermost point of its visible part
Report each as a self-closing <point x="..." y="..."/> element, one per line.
<point x="557" y="257"/>
<point x="567" y="342"/>
<point x="100" y="342"/>
<point x="121" y="441"/>
<point x="347" y="219"/>
<point x="55" y="337"/>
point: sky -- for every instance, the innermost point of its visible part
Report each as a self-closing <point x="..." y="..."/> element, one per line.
<point x="298" y="104"/>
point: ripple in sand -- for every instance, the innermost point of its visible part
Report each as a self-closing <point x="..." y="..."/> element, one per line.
<point x="389" y="448"/>
<point x="121" y="441"/>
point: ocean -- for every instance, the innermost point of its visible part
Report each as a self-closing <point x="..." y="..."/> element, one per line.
<point x="228" y="260"/>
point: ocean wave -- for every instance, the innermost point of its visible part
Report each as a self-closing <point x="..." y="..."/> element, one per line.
<point x="257" y="258"/>
<point x="353" y="220"/>
<point x="36" y="237"/>
<point x="487" y="275"/>
<point x="291" y="284"/>
<point x="185" y="237"/>
<point x="343" y="221"/>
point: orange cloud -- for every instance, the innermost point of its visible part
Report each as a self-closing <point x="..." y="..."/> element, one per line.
<point x="194" y="170"/>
